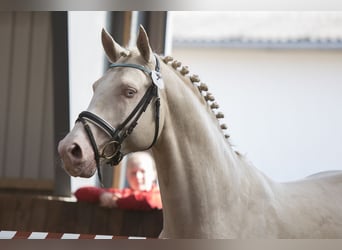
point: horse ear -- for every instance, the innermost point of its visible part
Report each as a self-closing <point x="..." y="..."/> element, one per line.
<point x="143" y="44"/>
<point x="113" y="50"/>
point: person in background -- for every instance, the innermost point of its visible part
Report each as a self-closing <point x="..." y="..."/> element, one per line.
<point x="143" y="191"/>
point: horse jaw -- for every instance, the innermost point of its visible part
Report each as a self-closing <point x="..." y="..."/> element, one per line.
<point x="77" y="154"/>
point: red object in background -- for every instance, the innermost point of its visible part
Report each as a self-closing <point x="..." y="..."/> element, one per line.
<point x="129" y="199"/>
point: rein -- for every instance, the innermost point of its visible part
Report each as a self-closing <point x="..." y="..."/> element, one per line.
<point x="111" y="152"/>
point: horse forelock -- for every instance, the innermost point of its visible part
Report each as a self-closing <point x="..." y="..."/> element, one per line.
<point x="132" y="55"/>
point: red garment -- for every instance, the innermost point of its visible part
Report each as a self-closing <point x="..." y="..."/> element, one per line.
<point x="129" y="199"/>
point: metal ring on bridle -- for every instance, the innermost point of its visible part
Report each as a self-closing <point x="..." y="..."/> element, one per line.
<point x="116" y="145"/>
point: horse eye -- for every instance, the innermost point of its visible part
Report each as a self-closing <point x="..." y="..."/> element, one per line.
<point x="130" y="93"/>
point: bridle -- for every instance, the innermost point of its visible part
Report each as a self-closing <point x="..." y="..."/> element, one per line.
<point x="111" y="152"/>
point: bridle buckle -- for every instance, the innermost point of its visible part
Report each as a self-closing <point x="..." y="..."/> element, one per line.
<point x="110" y="149"/>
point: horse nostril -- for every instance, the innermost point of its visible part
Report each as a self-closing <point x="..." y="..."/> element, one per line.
<point x="76" y="151"/>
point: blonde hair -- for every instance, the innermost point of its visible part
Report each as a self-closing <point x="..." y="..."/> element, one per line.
<point x="126" y="163"/>
<point x="134" y="155"/>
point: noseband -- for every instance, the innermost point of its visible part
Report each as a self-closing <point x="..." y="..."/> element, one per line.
<point x="111" y="152"/>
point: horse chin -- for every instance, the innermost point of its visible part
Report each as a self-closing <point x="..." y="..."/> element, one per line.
<point x="85" y="170"/>
<point x="88" y="174"/>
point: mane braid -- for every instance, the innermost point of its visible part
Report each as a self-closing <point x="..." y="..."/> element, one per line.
<point x="202" y="88"/>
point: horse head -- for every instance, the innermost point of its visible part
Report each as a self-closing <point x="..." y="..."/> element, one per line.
<point x="124" y="109"/>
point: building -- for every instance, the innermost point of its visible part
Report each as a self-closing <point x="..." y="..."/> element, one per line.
<point x="277" y="77"/>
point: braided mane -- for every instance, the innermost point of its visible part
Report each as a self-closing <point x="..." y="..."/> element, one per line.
<point x="208" y="97"/>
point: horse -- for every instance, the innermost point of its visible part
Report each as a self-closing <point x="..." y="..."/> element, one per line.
<point x="208" y="189"/>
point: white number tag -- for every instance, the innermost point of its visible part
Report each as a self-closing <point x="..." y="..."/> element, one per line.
<point x="157" y="79"/>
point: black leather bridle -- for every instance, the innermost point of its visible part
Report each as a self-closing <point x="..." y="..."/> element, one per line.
<point x="111" y="152"/>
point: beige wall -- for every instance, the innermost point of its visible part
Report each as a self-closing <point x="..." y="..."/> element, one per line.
<point x="283" y="107"/>
<point x="26" y="125"/>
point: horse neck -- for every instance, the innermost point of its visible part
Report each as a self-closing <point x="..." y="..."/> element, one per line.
<point x="197" y="168"/>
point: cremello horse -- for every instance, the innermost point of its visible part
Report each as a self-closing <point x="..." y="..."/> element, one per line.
<point x="208" y="190"/>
